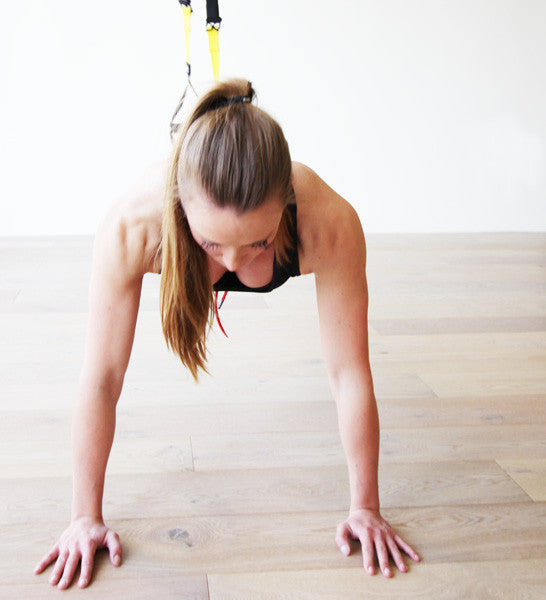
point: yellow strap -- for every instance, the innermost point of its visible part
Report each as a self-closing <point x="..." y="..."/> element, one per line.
<point x="214" y="50"/>
<point x="187" y="30"/>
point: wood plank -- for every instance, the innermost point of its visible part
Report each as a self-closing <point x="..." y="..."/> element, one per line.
<point x="460" y="303"/>
<point x="520" y="409"/>
<point x="37" y="443"/>
<point x="445" y="325"/>
<point x="32" y="456"/>
<point x="174" y="415"/>
<point x="137" y="587"/>
<point x="488" y="377"/>
<point x="529" y="474"/>
<point x="487" y="580"/>
<point x="259" y="491"/>
<point x="417" y="352"/>
<point x="277" y="450"/>
<point x="179" y="545"/>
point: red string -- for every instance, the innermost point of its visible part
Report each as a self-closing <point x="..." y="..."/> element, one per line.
<point x="216" y="310"/>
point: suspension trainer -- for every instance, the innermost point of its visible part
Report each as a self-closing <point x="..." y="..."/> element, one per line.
<point x="213" y="28"/>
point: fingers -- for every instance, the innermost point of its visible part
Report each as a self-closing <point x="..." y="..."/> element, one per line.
<point x="381" y="544"/>
<point x="47" y="559"/>
<point x="114" y="547"/>
<point x="377" y="537"/>
<point x="69" y="570"/>
<point x="87" y="566"/>
<point x="407" y="548"/>
<point x="342" y="539"/>
<point x="396" y="556"/>
<point x="382" y="556"/>
<point x="59" y="568"/>
<point x="368" y="552"/>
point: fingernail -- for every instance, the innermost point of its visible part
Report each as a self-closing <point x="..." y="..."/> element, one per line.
<point x="370" y="570"/>
<point x="82" y="582"/>
<point x="345" y="549"/>
<point x="388" y="572"/>
<point x="116" y="560"/>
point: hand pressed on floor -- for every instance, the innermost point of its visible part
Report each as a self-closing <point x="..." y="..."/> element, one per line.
<point x="79" y="542"/>
<point x="377" y="538"/>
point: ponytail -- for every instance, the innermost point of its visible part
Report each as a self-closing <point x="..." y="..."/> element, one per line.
<point x="238" y="155"/>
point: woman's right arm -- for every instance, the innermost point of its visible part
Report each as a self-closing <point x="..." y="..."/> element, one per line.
<point x="119" y="263"/>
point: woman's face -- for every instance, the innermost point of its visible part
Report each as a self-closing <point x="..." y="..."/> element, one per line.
<point x="233" y="240"/>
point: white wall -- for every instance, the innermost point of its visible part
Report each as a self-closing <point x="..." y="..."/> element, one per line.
<point x="427" y="115"/>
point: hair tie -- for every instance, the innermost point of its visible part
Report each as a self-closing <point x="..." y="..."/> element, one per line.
<point x="223" y="102"/>
<point x="238" y="99"/>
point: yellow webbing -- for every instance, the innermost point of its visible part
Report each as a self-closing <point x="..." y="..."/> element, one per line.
<point x="187" y="31"/>
<point x="214" y="48"/>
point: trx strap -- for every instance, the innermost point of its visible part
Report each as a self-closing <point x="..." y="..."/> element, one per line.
<point x="187" y="10"/>
<point x="213" y="26"/>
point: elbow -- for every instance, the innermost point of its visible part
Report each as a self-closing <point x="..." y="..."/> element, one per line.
<point x="351" y="382"/>
<point x="106" y="386"/>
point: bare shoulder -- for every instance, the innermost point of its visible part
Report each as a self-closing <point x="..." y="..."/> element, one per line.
<point x="328" y="226"/>
<point x="130" y="230"/>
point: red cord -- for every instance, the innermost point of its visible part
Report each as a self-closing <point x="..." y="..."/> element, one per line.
<point x="216" y="310"/>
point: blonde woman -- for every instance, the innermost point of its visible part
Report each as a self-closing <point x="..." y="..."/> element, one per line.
<point x="235" y="213"/>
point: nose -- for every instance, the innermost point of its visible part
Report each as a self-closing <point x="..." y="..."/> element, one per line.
<point x="232" y="259"/>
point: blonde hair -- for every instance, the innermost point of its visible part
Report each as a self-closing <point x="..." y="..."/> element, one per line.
<point x="237" y="154"/>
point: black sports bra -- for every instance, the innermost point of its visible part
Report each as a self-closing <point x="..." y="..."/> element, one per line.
<point x="281" y="273"/>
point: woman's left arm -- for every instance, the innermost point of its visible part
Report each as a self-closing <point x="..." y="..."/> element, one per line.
<point x="339" y="264"/>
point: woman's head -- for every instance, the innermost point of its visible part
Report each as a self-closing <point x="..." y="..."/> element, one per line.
<point x="229" y="182"/>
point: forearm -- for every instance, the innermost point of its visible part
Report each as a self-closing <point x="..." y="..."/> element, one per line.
<point x="93" y="429"/>
<point x="359" y="431"/>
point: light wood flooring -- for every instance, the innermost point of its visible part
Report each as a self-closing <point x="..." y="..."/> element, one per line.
<point x="232" y="489"/>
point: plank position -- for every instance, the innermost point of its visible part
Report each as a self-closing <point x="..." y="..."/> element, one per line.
<point x="228" y="211"/>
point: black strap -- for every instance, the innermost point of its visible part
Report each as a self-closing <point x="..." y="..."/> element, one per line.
<point x="213" y="14"/>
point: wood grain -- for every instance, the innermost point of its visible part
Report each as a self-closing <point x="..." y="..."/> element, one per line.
<point x="233" y="488"/>
<point x="493" y="580"/>
<point x="529" y="474"/>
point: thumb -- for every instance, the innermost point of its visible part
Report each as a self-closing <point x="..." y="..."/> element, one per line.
<point x="342" y="539"/>
<point x="114" y="547"/>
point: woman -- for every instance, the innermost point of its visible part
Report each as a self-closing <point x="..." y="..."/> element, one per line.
<point x="236" y="213"/>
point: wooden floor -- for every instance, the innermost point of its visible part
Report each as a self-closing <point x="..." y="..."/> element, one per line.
<point x="232" y="489"/>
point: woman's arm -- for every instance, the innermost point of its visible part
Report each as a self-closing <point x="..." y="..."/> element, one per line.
<point x="114" y="295"/>
<point x="339" y="264"/>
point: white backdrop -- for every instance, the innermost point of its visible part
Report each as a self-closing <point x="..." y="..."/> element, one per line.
<point x="427" y="115"/>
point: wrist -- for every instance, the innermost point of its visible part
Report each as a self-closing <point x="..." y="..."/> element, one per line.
<point x="355" y="508"/>
<point x="366" y="496"/>
<point x="87" y="518"/>
<point x="82" y="512"/>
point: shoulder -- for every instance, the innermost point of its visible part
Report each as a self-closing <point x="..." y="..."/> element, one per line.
<point x="130" y="229"/>
<point x="328" y="226"/>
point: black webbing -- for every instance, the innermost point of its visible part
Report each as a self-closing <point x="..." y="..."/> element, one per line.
<point x="213" y="14"/>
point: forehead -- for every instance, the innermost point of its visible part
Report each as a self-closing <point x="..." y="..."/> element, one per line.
<point x="226" y="226"/>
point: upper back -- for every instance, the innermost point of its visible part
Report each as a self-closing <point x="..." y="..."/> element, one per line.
<point x="137" y="218"/>
<point x="134" y="222"/>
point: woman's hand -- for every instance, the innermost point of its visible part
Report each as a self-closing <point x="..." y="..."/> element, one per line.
<point x="79" y="542"/>
<point x="372" y="530"/>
